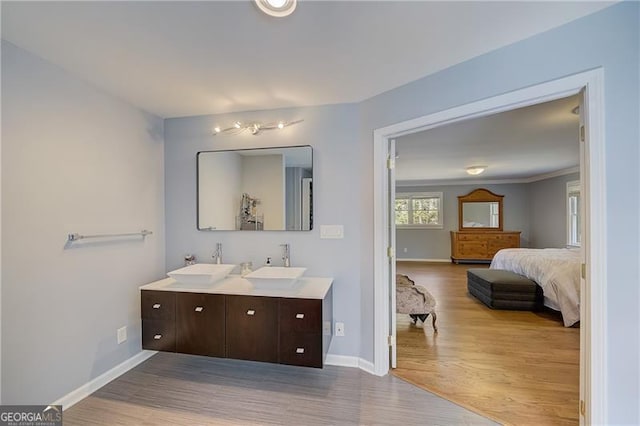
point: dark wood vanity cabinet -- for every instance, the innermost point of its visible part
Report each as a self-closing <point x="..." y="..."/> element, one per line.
<point x="200" y="320"/>
<point x="252" y="328"/>
<point x="257" y="328"/>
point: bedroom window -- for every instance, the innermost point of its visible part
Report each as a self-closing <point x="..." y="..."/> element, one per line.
<point x="419" y="210"/>
<point x="573" y="214"/>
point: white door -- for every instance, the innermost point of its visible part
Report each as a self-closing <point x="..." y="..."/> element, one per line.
<point x="585" y="326"/>
<point x="392" y="251"/>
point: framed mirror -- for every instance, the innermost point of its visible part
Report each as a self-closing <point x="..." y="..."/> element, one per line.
<point x="480" y="209"/>
<point x="263" y="189"/>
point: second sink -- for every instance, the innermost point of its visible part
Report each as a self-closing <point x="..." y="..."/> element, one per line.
<point x="275" y="277"/>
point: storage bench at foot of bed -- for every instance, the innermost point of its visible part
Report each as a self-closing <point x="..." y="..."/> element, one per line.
<point x="500" y="289"/>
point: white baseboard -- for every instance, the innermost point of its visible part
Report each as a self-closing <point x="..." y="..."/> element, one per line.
<point x="366" y="366"/>
<point x="350" y="361"/>
<point x="88" y="388"/>
<point x="424" y="260"/>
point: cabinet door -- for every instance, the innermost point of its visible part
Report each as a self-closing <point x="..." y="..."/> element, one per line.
<point x="158" y="335"/>
<point x="157" y="305"/>
<point x="200" y="324"/>
<point x="252" y="328"/>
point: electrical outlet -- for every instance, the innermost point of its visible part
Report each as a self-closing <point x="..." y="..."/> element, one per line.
<point x="326" y="328"/>
<point x="404" y="250"/>
<point x="122" y="334"/>
<point x="339" y="329"/>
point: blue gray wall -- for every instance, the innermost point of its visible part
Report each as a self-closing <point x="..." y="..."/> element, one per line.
<point x="537" y="210"/>
<point x="435" y="244"/>
<point x="548" y="201"/>
<point x="607" y="39"/>
<point x="73" y="160"/>
<point x="332" y="132"/>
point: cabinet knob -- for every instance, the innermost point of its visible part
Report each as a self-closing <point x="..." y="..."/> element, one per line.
<point x="299" y="316"/>
<point x="251" y="312"/>
<point x="199" y="309"/>
<point x="157" y="336"/>
<point x="299" y="350"/>
<point x="156" y="306"/>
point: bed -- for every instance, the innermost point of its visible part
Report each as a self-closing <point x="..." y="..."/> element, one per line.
<point x="557" y="271"/>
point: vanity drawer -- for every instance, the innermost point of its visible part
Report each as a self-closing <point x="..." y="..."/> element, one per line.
<point x="303" y="349"/>
<point x="158" y="305"/>
<point x="159" y="335"/>
<point x="251" y="328"/>
<point x="300" y="316"/>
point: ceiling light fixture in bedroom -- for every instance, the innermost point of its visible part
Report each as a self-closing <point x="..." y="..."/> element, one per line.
<point x="277" y="8"/>
<point x="476" y="170"/>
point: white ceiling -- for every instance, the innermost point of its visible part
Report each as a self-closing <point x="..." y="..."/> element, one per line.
<point x="523" y="144"/>
<point x="179" y="58"/>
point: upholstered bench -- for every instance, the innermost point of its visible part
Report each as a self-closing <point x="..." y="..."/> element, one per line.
<point x="500" y="289"/>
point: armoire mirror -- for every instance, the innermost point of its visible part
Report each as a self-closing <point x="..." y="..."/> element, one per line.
<point x="480" y="209"/>
<point x="263" y="189"/>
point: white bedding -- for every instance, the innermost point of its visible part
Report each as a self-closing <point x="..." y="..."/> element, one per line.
<point x="557" y="271"/>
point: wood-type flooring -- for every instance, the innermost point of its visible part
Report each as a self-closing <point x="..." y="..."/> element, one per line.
<point x="519" y="368"/>
<point x="176" y="389"/>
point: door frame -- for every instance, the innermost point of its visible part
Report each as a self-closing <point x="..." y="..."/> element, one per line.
<point x="593" y="326"/>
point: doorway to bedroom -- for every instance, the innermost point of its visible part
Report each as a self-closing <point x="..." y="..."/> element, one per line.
<point x="449" y="220"/>
<point x="592" y="168"/>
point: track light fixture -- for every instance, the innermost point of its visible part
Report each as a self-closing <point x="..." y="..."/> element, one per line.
<point x="253" y="127"/>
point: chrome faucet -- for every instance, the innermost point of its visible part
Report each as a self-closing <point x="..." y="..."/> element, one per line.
<point x="217" y="256"/>
<point x="286" y="255"/>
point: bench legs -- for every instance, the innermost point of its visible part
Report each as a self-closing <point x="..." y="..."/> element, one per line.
<point x="423" y="318"/>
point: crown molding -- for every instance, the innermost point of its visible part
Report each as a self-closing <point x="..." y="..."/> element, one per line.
<point x="451" y="182"/>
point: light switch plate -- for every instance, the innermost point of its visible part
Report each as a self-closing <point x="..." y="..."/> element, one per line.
<point x="331" y="231"/>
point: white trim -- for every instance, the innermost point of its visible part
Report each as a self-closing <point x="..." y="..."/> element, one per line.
<point x="342" y="360"/>
<point x="424" y="260"/>
<point x="595" y="378"/>
<point x="88" y="388"/>
<point x="550" y="175"/>
<point x="571" y="188"/>
<point x="349" y="361"/>
<point x="366" y="366"/>
<point x="451" y="182"/>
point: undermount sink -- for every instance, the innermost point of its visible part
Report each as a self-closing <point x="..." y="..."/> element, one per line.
<point x="274" y="277"/>
<point x="201" y="273"/>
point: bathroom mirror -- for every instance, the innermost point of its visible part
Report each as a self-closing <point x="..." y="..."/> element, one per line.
<point x="263" y="189"/>
<point x="480" y="209"/>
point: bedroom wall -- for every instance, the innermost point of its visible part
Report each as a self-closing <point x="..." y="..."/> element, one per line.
<point x="74" y="159"/>
<point x="548" y="201"/>
<point x="435" y="244"/>
<point x="609" y="39"/>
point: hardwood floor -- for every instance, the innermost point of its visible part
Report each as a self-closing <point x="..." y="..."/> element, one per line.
<point x="176" y="389"/>
<point x="515" y="367"/>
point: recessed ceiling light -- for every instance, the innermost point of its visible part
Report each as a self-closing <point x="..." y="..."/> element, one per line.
<point x="277" y="8"/>
<point x="476" y="170"/>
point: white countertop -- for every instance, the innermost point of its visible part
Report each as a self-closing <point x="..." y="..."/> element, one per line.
<point x="304" y="288"/>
